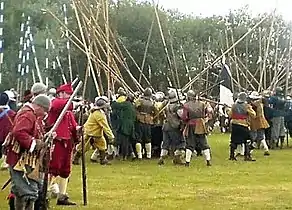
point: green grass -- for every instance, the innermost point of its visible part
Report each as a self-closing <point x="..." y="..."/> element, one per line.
<point x="264" y="184"/>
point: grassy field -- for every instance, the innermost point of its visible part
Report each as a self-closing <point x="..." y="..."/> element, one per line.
<point x="264" y="184"/>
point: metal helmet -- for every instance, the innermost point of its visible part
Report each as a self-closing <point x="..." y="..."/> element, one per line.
<point x="131" y="97"/>
<point x="38" y="88"/>
<point x="279" y="91"/>
<point x="191" y="94"/>
<point x="148" y="92"/>
<point x="171" y="94"/>
<point x="122" y="92"/>
<point x="159" y="96"/>
<point x="242" y="97"/>
<point x="52" y="91"/>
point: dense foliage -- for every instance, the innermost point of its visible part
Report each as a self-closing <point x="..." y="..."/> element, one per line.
<point x="200" y="39"/>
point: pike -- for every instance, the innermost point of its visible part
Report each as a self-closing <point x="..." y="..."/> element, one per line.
<point x="224" y="53"/>
<point x="83" y="163"/>
<point x="176" y="82"/>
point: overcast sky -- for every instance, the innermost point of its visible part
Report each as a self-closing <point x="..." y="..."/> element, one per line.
<point x="220" y="7"/>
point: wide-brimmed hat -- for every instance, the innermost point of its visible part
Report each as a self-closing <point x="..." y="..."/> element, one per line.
<point x="101" y="102"/>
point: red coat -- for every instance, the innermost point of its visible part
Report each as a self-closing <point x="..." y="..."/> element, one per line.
<point x="6" y="123"/>
<point x="67" y="128"/>
<point x="26" y="128"/>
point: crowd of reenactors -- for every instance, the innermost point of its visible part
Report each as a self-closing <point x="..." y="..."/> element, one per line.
<point x="127" y="127"/>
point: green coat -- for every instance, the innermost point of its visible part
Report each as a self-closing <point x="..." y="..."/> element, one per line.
<point x="125" y="117"/>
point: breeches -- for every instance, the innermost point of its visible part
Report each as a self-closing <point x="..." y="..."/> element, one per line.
<point x="173" y="139"/>
<point x="143" y="133"/>
<point x="278" y="128"/>
<point x="196" y="140"/>
<point x="61" y="158"/>
<point x="21" y="188"/>
<point x="97" y="142"/>
<point x="239" y="134"/>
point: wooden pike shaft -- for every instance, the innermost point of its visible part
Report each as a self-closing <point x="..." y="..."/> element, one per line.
<point x="146" y="49"/>
<point x="262" y="79"/>
<point x="102" y="63"/>
<point x="235" y="61"/>
<point x="91" y="48"/>
<point x="85" y="46"/>
<point x="174" y="59"/>
<point x="227" y="51"/>
<point x="101" y="37"/>
<point x="132" y="77"/>
<point x="185" y="61"/>
<point x="248" y="72"/>
<point x="249" y="82"/>
<point x="289" y="65"/>
<point x="164" y="45"/>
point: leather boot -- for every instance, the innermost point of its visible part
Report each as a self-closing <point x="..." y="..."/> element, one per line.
<point x="77" y="157"/>
<point x="63" y="200"/>
<point x="103" y="160"/>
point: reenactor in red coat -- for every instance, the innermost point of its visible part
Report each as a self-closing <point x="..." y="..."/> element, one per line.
<point x="63" y="144"/>
<point x="24" y="144"/>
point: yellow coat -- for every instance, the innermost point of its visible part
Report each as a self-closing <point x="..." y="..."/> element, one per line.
<point x="159" y="117"/>
<point x="259" y="122"/>
<point x="97" y="125"/>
